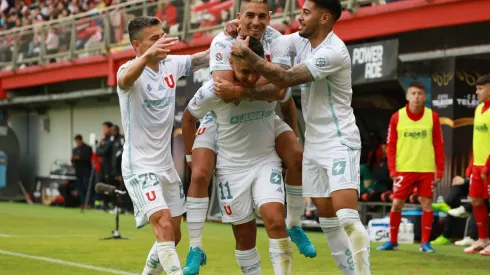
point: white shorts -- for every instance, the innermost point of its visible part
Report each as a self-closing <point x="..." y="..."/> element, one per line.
<point x="239" y="193"/>
<point x="324" y="173"/>
<point x="207" y="133"/>
<point x="151" y="192"/>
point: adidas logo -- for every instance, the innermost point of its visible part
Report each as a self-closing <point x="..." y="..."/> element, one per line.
<point x="342" y="180"/>
<point x="279" y="190"/>
<point x="160" y="88"/>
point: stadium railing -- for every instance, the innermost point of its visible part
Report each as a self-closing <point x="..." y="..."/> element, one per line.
<point x="99" y="32"/>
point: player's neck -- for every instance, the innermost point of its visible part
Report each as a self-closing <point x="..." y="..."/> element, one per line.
<point x="414" y="109"/>
<point x="153" y="65"/>
<point x="317" y="38"/>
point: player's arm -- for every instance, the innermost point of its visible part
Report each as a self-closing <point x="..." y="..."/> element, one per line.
<point x="188" y="131"/>
<point x="469" y="169"/>
<point x="200" y="60"/>
<point x="438" y="143"/>
<point x="129" y="74"/>
<point x="391" y="145"/>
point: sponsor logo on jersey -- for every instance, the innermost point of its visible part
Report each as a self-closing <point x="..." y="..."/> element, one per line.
<point x="482" y="128"/>
<point x="201" y="95"/>
<point x="159" y="103"/>
<point x="416" y="134"/>
<point x="148" y="87"/>
<point x="338" y="167"/>
<point x="219" y="57"/>
<point x="220" y="45"/>
<point x="250" y="116"/>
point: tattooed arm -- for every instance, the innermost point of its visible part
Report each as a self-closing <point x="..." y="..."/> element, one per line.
<point x="200" y="60"/>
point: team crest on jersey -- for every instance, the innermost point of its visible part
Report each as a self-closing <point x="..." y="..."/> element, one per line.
<point x="220" y="45"/>
<point x="219" y="57"/>
<point x="321" y="62"/>
<point x="169" y="80"/>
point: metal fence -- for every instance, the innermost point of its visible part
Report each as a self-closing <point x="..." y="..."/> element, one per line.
<point x="99" y="32"/>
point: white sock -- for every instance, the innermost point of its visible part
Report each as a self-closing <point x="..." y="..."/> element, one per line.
<point x="339" y="245"/>
<point x="249" y="261"/>
<point x="197" y="209"/>
<point x="153" y="266"/>
<point x="359" y="239"/>
<point x="295" y="205"/>
<point x="168" y="258"/>
<point x="281" y="253"/>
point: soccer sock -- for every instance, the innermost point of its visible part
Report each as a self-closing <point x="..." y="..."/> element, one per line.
<point x="153" y="266"/>
<point x="281" y="255"/>
<point x="395" y="219"/>
<point x="359" y="239"/>
<point x="196" y="216"/>
<point x="339" y="245"/>
<point x="427" y="218"/>
<point x="249" y="261"/>
<point x="481" y="217"/>
<point x="295" y="205"/>
<point x="168" y="258"/>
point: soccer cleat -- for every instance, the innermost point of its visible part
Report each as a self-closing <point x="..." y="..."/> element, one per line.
<point x="467" y="241"/>
<point x="441" y="207"/>
<point x="304" y="245"/>
<point x="459" y="212"/>
<point x="195" y="259"/>
<point x="426" y="248"/>
<point x="477" y="246"/>
<point x="388" y="246"/>
<point x="441" y="240"/>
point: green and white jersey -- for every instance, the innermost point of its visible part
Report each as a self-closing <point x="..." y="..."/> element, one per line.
<point x="246" y="132"/>
<point x="147" y="113"/>
<point x="326" y="102"/>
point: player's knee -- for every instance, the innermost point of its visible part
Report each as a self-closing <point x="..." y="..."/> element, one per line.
<point x="201" y="177"/>
<point x="397" y="205"/>
<point x="274" y="223"/>
<point x="297" y="163"/>
<point x="163" y="225"/>
<point x="426" y="203"/>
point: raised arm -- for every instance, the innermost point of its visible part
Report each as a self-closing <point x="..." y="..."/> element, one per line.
<point x="200" y="60"/>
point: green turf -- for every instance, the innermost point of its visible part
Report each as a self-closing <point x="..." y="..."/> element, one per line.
<point x="45" y="231"/>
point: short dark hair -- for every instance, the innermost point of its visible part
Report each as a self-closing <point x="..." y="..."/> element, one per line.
<point x="79" y="137"/>
<point x="108" y="124"/>
<point x="256" y="47"/>
<point x="417" y="84"/>
<point x="483" y="80"/>
<point x="332" y="6"/>
<point x="116" y="127"/>
<point x="244" y="2"/>
<point x="139" y="23"/>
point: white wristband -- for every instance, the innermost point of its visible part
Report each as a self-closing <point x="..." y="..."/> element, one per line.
<point x="188" y="158"/>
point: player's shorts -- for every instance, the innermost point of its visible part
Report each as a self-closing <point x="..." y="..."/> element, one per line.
<point x="479" y="188"/>
<point x="151" y="192"/>
<point x="324" y="173"/>
<point x="207" y="133"/>
<point x="405" y="182"/>
<point x="240" y="192"/>
<point x="206" y="136"/>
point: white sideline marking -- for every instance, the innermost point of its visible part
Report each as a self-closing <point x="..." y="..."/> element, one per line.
<point x="46" y="259"/>
<point x="45" y="236"/>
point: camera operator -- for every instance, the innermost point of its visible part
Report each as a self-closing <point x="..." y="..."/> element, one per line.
<point x="104" y="151"/>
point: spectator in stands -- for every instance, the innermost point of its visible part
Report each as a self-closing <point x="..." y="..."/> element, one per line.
<point x="104" y="151"/>
<point x="80" y="159"/>
<point x="167" y="13"/>
<point x="376" y="183"/>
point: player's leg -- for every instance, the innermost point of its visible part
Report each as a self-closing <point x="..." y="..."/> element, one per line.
<point x="402" y="187"/>
<point x="203" y="162"/>
<point x="291" y="153"/>
<point x="316" y="186"/>
<point x="477" y="194"/>
<point x="425" y="189"/>
<point x="268" y="196"/>
<point x="246" y="253"/>
<point x="344" y="178"/>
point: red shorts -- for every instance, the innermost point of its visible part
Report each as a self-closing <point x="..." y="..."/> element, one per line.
<point x="478" y="188"/>
<point x="405" y="182"/>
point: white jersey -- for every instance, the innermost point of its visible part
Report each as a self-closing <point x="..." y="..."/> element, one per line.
<point x="246" y="132"/>
<point x="147" y="113"/>
<point x="326" y="102"/>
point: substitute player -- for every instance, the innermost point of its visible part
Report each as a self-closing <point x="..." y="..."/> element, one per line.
<point x="332" y="146"/>
<point x="146" y="89"/>
<point x="415" y="159"/>
<point x="248" y="169"/>
<point x="478" y="170"/>
<point x="253" y="20"/>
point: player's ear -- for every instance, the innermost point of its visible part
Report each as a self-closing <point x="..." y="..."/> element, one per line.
<point x="238" y="16"/>
<point x="135" y="44"/>
<point x="325" y="17"/>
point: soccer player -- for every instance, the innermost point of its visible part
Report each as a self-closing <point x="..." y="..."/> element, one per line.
<point x="248" y="169"/>
<point x="146" y="89"/>
<point x="253" y="20"/>
<point x="332" y="147"/>
<point x="479" y="167"/>
<point x="415" y="159"/>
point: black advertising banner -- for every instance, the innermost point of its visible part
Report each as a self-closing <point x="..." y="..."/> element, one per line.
<point x="374" y="62"/>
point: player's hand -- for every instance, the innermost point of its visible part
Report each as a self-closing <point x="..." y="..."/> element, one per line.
<point x="225" y="90"/>
<point x="160" y="49"/>
<point x="458" y="181"/>
<point x="232" y="28"/>
<point x="240" y="46"/>
<point x="436" y="181"/>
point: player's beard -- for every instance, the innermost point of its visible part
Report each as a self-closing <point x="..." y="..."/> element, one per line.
<point x="305" y="32"/>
